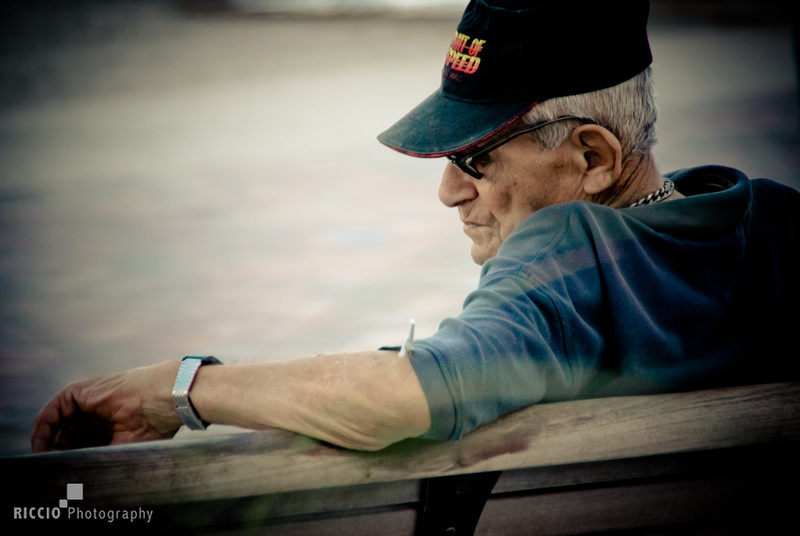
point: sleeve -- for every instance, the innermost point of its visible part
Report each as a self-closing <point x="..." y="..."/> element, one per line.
<point x="508" y="349"/>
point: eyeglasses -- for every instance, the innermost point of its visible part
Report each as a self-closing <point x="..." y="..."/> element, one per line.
<point x="465" y="162"/>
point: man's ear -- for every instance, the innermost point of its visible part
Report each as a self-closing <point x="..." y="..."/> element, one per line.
<point x="602" y="157"/>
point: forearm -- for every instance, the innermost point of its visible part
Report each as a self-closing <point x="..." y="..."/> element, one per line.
<point x="363" y="401"/>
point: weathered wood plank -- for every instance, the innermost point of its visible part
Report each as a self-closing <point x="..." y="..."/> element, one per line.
<point x="697" y="491"/>
<point x="730" y="491"/>
<point x="631" y="507"/>
<point x="252" y="464"/>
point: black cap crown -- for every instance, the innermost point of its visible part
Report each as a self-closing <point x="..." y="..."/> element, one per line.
<point x="507" y="55"/>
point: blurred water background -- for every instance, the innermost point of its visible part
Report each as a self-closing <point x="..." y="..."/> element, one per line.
<point x="202" y="176"/>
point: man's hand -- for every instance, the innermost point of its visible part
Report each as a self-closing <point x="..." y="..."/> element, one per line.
<point x="130" y="406"/>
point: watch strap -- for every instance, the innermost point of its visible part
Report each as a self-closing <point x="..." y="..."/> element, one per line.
<point x="180" y="391"/>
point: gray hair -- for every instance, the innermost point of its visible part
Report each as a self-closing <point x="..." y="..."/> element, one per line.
<point x="627" y="110"/>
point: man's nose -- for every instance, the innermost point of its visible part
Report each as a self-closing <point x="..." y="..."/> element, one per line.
<point x="456" y="187"/>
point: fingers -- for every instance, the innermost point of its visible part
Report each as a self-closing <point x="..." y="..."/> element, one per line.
<point x="62" y="424"/>
<point x="46" y="426"/>
<point x="43" y="431"/>
<point x="47" y="423"/>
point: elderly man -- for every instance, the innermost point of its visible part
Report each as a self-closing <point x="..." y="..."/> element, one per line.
<point x="600" y="276"/>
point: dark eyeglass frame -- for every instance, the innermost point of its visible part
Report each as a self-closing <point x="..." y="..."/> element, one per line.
<point x="464" y="162"/>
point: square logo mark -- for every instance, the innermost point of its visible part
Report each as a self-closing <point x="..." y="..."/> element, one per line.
<point x="74" y="492"/>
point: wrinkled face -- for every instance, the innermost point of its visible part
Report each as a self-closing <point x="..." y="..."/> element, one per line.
<point x="519" y="179"/>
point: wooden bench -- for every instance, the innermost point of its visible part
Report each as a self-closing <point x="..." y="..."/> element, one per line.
<point x="721" y="461"/>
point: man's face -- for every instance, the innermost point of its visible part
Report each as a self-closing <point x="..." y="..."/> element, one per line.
<point x="518" y="179"/>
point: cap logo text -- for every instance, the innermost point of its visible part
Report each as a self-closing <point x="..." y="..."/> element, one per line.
<point x="463" y="55"/>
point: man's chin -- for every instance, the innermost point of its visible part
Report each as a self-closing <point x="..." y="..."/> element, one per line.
<point x="481" y="254"/>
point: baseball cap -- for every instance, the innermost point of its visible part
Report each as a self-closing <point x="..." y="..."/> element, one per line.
<point x="508" y="55"/>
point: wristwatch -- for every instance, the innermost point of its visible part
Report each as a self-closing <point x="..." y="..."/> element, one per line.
<point x="180" y="392"/>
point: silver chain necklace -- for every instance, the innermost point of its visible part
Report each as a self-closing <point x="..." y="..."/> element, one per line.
<point x="659" y="195"/>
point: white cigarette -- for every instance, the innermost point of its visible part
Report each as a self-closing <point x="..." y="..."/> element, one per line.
<point x="409" y="343"/>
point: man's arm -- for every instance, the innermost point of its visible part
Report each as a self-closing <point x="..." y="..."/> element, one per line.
<point x="363" y="401"/>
